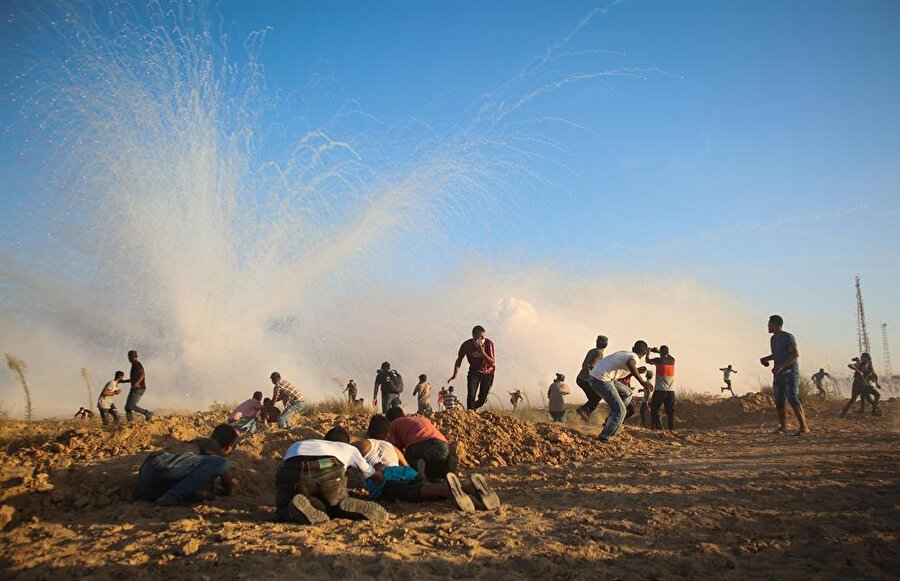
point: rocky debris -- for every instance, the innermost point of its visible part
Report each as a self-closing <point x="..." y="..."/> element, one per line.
<point x="7" y="515"/>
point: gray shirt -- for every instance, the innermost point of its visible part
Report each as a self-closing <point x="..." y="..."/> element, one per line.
<point x="782" y="344"/>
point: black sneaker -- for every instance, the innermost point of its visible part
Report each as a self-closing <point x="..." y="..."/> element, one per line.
<point x="362" y="509"/>
<point x="584" y="414"/>
<point x="302" y="511"/>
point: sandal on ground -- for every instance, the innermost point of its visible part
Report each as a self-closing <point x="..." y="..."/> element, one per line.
<point x="462" y="500"/>
<point x="486" y="494"/>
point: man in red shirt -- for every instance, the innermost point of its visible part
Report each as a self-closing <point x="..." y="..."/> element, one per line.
<point x="420" y="441"/>
<point x="479" y="350"/>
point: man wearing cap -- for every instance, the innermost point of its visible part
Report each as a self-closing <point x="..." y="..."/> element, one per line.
<point x="556" y="394"/>
<point x="584" y="378"/>
<point x="290" y="397"/>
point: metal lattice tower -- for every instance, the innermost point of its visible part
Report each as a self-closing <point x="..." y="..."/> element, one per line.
<point x="888" y="371"/>
<point x="862" y="332"/>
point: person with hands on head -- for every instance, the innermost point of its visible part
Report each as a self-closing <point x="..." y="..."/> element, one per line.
<point x="480" y="352"/>
<point x="785" y="374"/>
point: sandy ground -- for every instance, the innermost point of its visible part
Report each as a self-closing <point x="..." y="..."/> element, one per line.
<point x="727" y="499"/>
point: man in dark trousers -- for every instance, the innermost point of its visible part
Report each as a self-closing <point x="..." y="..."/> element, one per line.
<point x="138" y="381"/>
<point x="584" y="378"/>
<point x="479" y="350"/>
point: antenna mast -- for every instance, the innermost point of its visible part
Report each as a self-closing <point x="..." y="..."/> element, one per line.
<point x="862" y="332"/>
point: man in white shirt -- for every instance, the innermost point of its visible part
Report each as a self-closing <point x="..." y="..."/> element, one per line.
<point x="604" y="380"/>
<point x="311" y="483"/>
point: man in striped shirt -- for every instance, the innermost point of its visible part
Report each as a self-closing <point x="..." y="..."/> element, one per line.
<point x="290" y="397"/>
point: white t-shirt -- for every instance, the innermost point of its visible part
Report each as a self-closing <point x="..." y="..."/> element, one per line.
<point x="104" y="402"/>
<point x="347" y="454"/>
<point x="382" y="452"/>
<point x="614" y="366"/>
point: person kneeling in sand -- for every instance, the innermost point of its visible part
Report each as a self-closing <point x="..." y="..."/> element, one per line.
<point x="311" y="482"/>
<point x="183" y="472"/>
<point x="425" y="447"/>
<point x="250" y="415"/>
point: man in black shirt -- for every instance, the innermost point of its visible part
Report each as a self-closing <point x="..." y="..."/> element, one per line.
<point x="138" y="383"/>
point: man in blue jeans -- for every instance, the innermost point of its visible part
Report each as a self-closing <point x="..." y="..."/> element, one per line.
<point x="290" y="397"/>
<point x="390" y="383"/>
<point x="604" y="380"/>
<point x="138" y="380"/>
<point x="785" y="374"/>
<point x="185" y="471"/>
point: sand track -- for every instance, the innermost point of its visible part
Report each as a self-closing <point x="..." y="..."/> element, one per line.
<point x="729" y="501"/>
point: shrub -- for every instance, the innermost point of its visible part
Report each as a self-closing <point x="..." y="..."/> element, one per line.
<point x="18" y="367"/>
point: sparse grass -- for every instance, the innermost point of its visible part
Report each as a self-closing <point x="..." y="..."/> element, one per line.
<point x="19" y="367"/>
<point x="331" y="405"/>
<point x="805" y="389"/>
<point x="221" y="408"/>
<point x="524" y="412"/>
<point x="86" y="376"/>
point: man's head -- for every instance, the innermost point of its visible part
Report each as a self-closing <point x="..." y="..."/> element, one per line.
<point x="275" y="377"/>
<point x="132" y="356"/>
<point x="385" y="366"/>
<point x="257" y="395"/>
<point x="821" y="370"/>
<point x="423" y="378"/>
<point x="226" y="437"/>
<point x="664" y="350"/>
<point x="775" y="323"/>
<point x="338" y="434"/>
<point x="477" y="332"/>
<point x="640" y="348"/>
<point x="267" y="401"/>
<point x="560" y="377"/>
<point x="395" y="413"/>
<point x="120" y="375"/>
<point x="602" y="341"/>
<point x="379" y="426"/>
<point x="450" y="389"/>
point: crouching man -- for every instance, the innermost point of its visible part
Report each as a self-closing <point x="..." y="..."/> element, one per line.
<point x="311" y="483"/>
<point x="187" y="471"/>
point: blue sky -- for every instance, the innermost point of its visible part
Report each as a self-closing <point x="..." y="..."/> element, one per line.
<point x="767" y="164"/>
<point x="756" y="147"/>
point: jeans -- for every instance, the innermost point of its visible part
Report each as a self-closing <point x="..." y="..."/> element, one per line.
<point x="178" y="475"/>
<point x="131" y="404"/>
<point x="245" y="425"/>
<point x="662" y="398"/>
<point x="786" y="387"/>
<point x="437" y="457"/>
<point x="327" y="484"/>
<point x="389" y="400"/>
<point x="110" y="413"/>
<point x="593" y="400"/>
<point x="478" y="386"/>
<point x="559" y="416"/>
<point x="424" y="408"/>
<point x="284" y="420"/>
<point x="617" y="397"/>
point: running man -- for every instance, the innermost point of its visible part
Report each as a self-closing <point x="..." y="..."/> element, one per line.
<point x="480" y="352"/>
<point x="515" y="398"/>
<point x="105" y="401"/>
<point x="863" y="375"/>
<point x="726" y="377"/>
<point x="422" y="393"/>
<point x="785" y="374"/>
<point x="664" y="390"/>
<point x="352" y="392"/>
<point x="584" y="378"/>
<point x="605" y="378"/>
<point x="819" y="381"/>
<point x="138" y="380"/>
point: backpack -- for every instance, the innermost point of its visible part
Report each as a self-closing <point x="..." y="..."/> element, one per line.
<point x="392" y="382"/>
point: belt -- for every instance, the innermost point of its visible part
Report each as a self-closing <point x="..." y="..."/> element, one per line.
<point x="311" y="463"/>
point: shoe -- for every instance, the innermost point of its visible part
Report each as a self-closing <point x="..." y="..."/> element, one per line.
<point x="486" y="494"/>
<point x="584" y="414"/>
<point x="170" y="500"/>
<point x="362" y="509"/>
<point x="463" y="501"/>
<point x="603" y="440"/>
<point x="302" y="511"/>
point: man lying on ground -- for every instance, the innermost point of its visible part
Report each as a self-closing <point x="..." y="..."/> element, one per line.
<point x="311" y="483"/>
<point x="186" y="471"/>
<point x="425" y="447"/>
